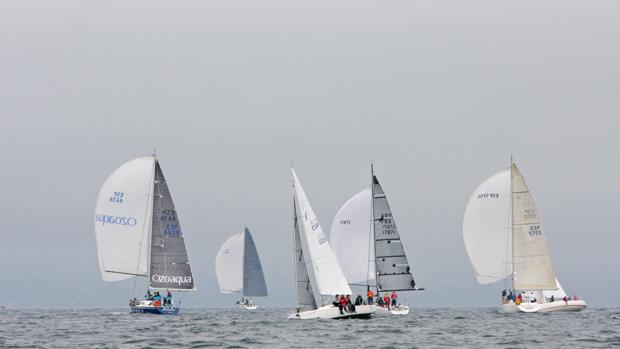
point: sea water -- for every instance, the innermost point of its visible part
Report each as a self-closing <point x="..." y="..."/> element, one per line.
<point x="270" y="328"/>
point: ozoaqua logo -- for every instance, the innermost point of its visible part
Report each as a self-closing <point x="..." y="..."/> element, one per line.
<point x="172" y="279"/>
<point x="106" y="219"/>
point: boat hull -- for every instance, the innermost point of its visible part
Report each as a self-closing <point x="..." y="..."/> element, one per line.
<point x="247" y="307"/>
<point x="171" y="310"/>
<point x="331" y="312"/>
<point x="547" y="307"/>
<point x="397" y="310"/>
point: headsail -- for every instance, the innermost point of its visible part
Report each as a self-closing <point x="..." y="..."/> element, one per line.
<point x="486" y="229"/>
<point x="393" y="271"/>
<point x="350" y="238"/>
<point x="170" y="268"/>
<point x="229" y="264"/>
<point x="532" y="264"/>
<point x="305" y="295"/>
<point x="328" y="277"/>
<point x="123" y="220"/>
<point x="253" y="278"/>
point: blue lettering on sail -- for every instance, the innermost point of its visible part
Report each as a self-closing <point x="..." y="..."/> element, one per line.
<point x="117" y="197"/>
<point x="107" y="219"/>
<point x="172" y="230"/>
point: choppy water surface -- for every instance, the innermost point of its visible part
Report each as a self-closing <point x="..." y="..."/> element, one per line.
<point x="270" y="328"/>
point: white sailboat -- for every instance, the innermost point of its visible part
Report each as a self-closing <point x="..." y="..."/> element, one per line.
<point x="504" y="239"/>
<point x="139" y="235"/>
<point x="239" y="270"/>
<point x="368" y="246"/>
<point x="318" y="275"/>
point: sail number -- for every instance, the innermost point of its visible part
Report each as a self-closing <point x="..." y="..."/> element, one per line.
<point x="322" y="238"/>
<point x="117" y="197"/>
<point x="535" y="230"/>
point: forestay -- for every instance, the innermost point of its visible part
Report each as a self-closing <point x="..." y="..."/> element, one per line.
<point x="253" y="278"/>
<point x="123" y="220"/>
<point x="486" y="229"/>
<point x="393" y="271"/>
<point x="229" y="264"/>
<point x="328" y="277"/>
<point x="170" y="268"/>
<point x="532" y="264"/>
<point x="351" y="238"/>
<point x="305" y="295"/>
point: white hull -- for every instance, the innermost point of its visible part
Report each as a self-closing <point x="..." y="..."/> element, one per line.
<point x="332" y="312"/>
<point x="548" y="307"/>
<point x="397" y="310"/>
<point x="247" y="307"/>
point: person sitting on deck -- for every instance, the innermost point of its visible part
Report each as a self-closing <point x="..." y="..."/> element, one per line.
<point x="337" y="302"/>
<point x="379" y="301"/>
<point x="343" y="304"/>
<point x="359" y="300"/>
<point x="350" y="305"/>
<point x="552" y="299"/>
<point x="511" y="297"/>
<point x="574" y="297"/>
<point x="565" y="299"/>
<point x="394" y="297"/>
<point x="371" y="296"/>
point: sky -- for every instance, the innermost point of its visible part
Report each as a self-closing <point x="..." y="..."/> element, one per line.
<point x="438" y="94"/>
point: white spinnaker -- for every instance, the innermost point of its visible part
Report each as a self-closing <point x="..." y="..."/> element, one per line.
<point x="229" y="264"/>
<point x="532" y="264"/>
<point x="486" y="229"/>
<point x="350" y="238"/>
<point x="123" y="217"/>
<point x="320" y="258"/>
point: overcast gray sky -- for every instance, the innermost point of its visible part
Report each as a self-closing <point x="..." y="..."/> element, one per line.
<point x="437" y="93"/>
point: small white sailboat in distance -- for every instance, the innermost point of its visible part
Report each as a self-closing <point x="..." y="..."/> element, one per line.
<point x="368" y="246"/>
<point x="239" y="270"/>
<point x="504" y="239"/>
<point x="139" y="235"/>
<point x="318" y="275"/>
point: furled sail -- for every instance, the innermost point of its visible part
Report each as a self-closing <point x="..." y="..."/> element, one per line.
<point x="328" y="277"/>
<point x="532" y="264"/>
<point x="486" y="229"/>
<point x="305" y="295"/>
<point x="229" y="264"/>
<point x="393" y="271"/>
<point x="253" y="278"/>
<point x="123" y="220"/>
<point x="170" y="268"/>
<point x="351" y="238"/>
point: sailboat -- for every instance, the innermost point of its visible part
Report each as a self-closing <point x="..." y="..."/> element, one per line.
<point x="318" y="275"/>
<point x="504" y="239"/>
<point x="239" y="270"/>
<point x="139" y="235"/>
<point x="368" y="246"/>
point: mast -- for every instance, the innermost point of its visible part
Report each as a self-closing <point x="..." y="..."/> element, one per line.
<point x="512" y="240"/>
<point x="372" y="224"/>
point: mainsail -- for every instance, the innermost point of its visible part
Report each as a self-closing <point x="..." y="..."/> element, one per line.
<point x="123" y="220"/>
<point x="238" y="266"/>
<point x="393" y="271"/>
<point x="253" y="278"/>
<point x="532" y="264"/>
<point x="170" y="268"/>
<point x="305" y="295"/>
<point x="326" y="273"/>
